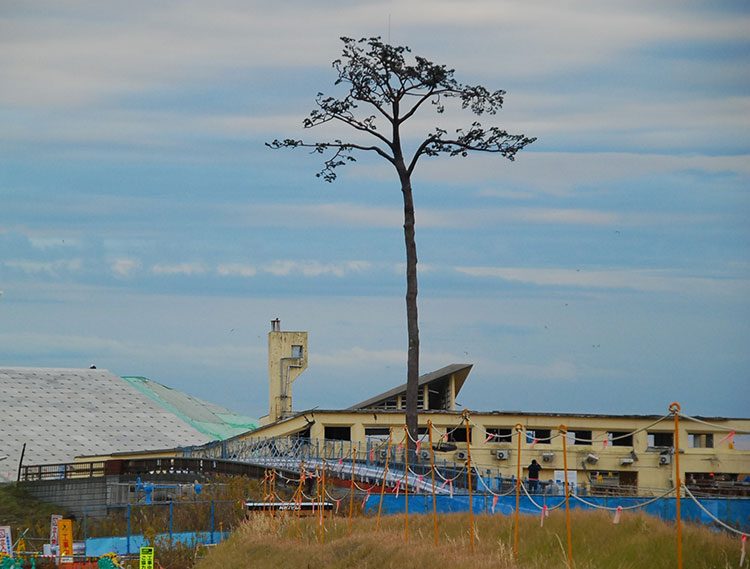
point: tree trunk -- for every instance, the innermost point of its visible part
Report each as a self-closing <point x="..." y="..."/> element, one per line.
<point x="412" y="321"/>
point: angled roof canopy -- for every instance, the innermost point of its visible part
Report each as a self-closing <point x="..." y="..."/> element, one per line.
<point x="438" y="388"/>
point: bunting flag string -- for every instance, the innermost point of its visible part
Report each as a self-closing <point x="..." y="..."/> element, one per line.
<point x="338" y="503"/>
<point x="729" y="437"/>
<point x="367" y="497"/>
<point x="742" y="556"/>
<point x="372" y="455"/>
<point x="545" y="513"/>
<point x="398" y="487"/>
<point x="450" y="485"/>
<point x="617" y="515"/>
<point x="494" y="503"/>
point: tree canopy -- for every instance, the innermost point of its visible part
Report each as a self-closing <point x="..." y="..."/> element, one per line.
<point x="383" y="91"/>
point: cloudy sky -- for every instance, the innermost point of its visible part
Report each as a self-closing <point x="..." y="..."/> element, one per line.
<point x="145" y="227"/>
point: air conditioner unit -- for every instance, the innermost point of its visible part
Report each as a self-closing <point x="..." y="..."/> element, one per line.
<point x="592" y="459"/>
<point x="424" y="454"/>
<point x="627" y="461"/>
<point x="664" y="459"/>
<point x="502" y="454"/>
<point x="462" y="455"/>
<point x="548" y="456"/>
<point x="382" y="453"/>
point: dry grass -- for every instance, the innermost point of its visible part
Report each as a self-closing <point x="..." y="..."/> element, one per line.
<point x="637" y="542"/>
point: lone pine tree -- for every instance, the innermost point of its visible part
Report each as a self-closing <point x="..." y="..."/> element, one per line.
<point x="384" y="89"/>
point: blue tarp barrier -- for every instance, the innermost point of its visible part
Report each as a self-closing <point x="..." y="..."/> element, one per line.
<point x="98" y="546"/>
<point x="734" y="512"/>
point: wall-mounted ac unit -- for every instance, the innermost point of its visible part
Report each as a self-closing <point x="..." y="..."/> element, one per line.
<point x="462" y="455"/>
<point x="424" y="454"/>
<point x="382" y="453"/>
<point x="548" y="456"/>
<point x="664" y="459"/>
<point x="626" y="461"/>
<point x="502" y="454"/>
<point x="592" y="459"/>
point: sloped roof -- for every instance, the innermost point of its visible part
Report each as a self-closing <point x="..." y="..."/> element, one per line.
<point x="63" y="413"/>
<point x="215" y="421"/>
<point x="461" y="371"/>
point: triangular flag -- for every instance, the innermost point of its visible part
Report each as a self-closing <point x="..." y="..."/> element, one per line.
<point x="545" y="513"/>
<point x="742" y="557"/>
<point x="604" y="444"/>
<point x="534" y="442"/>
<point x="494" y="503"/>
<point x="617" y="515"/>
<point x="419" y="485"/>
<point x="367" y="497"/>
<point x="338" y="503"/>
<point x="398" y="486"/>
<point x="489" y="437"/>
<point x="418" y="444"/>
<point x="443" y="484"/>
<point x="729" y="437"/>
<point x="451" y="487"/>
<point x="372" y="454"/>
<point x="341" y="461"/>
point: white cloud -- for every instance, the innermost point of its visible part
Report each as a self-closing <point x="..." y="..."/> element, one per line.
<point x="179" y="269"/>
<point x="643" y="280"/>
<point x="315" y="268"/>
<point x="236" y="269"/>
<point x="125" y="267"/>
<point x="50" y="267"/>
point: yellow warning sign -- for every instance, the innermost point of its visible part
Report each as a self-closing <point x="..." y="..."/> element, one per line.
<point x="147" y="558"/>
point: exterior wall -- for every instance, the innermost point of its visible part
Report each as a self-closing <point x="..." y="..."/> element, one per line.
<point x="648" y="472"/>
<point x="283" y="369"/>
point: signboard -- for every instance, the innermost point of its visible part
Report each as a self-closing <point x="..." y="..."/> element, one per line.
<point x="147" y="558"/>
<point x="65" y="536"/>
<point x="53" y="530"/>
<point x="6" y="543"/>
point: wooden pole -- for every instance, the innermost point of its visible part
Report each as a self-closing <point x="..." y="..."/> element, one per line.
<point x="432" y="472"/>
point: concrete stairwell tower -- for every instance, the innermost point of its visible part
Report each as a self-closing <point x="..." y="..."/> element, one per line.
<point x="287" y="359"/>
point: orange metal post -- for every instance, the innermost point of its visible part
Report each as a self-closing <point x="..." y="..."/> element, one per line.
<point x="675" y="408"/>
<point x="564" y="431"/>
<point x="432" y="472"/>
<point x="385" y="473"/>
<point x="519" y="430"/>
<point x="468" y="473"/>
<point x="406" y="480"/>
<point x="351" y="493"/>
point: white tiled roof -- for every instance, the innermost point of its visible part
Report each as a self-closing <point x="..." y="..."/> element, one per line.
<point x="63" y="413"/>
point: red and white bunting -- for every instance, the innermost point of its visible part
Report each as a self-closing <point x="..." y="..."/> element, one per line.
<point x="494" y="503"/>
<point x="618" y="512"/>
<point x="742" y="556"/>
<point x="545" y="513"/>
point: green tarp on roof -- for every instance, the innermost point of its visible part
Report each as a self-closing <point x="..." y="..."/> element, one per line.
<point x="213" y="420"/>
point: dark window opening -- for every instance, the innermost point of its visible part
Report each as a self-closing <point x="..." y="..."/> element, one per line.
<point x="660" y="440"/>
<point x="580" y="437"/>
<point x="620" y="439"/>
<point x="701" y="440"/>
<point x="459" y="435"/>
<point x="338" y="433"/>
<point x="500" y="435"/>
<point x="541" y="436"/>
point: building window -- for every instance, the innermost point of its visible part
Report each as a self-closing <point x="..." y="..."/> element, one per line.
<point x="661" y="440"/>
<point x="579" y="437"/>
<point x="297" y="352"/>
<point x="701" y="440"/>
<point x="338" y="433"/>
<point x="379" y="434"/>
<point x="459" y="435"/>
<point x="500" y="435"/>
<point x="541" y="436"/>
<point x="620" y="438"/>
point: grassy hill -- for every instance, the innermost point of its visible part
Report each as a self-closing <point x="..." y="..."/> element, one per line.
<point x="638" y="541"/>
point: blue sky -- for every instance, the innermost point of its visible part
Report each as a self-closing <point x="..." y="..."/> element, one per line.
<point x="145" y="227"/>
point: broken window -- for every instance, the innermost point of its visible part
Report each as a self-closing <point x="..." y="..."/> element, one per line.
<point x="579" y="437"/>
<point x="541" y="436"/>
<point x="500" y="435"/>
<point x="701" y="440"/>
<point x="338" y="433"/>
<point x="660" y="440"/>
<point x="620" y="438"/>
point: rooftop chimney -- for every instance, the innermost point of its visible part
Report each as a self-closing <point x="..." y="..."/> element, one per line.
<point x="276" y="325"/>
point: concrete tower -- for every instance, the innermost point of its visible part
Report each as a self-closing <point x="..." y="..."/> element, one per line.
<point x="287" y="359"/>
